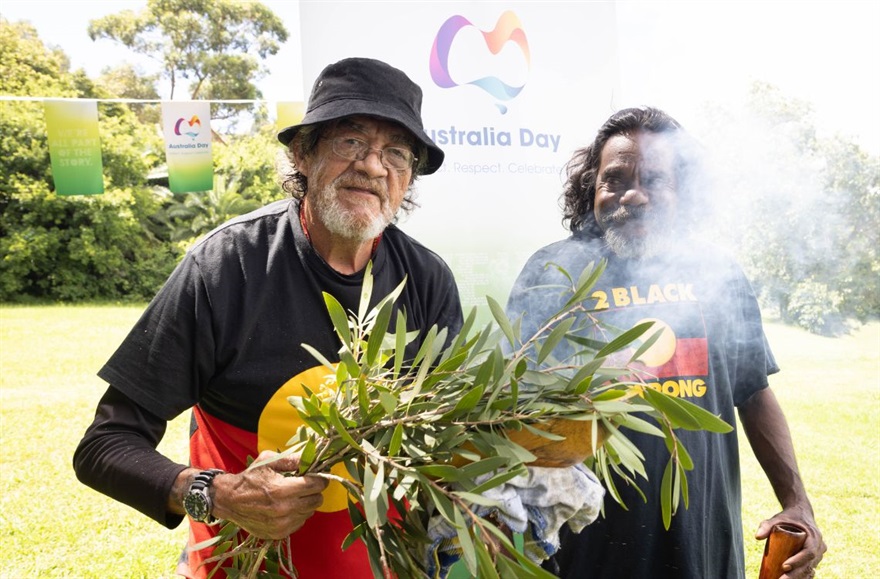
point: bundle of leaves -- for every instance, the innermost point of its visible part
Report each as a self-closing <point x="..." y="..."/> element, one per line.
<point x="398" y="425"/>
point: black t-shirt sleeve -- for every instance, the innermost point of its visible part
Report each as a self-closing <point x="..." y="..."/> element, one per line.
<point x="117" y="456"/>
<point x="167" y="358"/>
<point x="751" y="360"/>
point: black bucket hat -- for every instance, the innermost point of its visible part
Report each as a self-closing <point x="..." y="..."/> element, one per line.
<point x="364" y="86"/>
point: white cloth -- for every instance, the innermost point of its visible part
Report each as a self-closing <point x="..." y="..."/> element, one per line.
<point x="536" y="504"/>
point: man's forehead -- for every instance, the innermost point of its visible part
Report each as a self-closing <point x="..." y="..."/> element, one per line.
<point x="641" y="147"/>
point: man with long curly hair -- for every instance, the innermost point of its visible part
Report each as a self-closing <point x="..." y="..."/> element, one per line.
<point x="631" y="198"/>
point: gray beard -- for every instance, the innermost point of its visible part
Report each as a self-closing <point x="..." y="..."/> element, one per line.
<point x="633" y="248"/>
<point x="345" y="224"/>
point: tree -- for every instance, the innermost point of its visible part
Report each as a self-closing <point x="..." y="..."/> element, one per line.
<point x="126" y="81"/>
<point x="800" y="210"/>
<point x="72" y="248"/>
<point x="210" y="43"/>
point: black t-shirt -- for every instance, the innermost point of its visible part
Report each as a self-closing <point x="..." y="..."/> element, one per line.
<point x="713" y="353"/>
<point x="225" y="337"/>
<point x="226" y="330"/>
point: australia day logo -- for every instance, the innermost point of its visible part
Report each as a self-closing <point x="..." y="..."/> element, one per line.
<point x="507" y="29"/>
<point x="190" y="128"/>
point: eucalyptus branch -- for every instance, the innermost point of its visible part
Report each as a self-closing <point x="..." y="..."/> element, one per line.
<point x="400" y="431"/>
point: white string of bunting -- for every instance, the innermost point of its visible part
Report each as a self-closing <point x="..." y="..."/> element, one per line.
<point x="75" y="144"/>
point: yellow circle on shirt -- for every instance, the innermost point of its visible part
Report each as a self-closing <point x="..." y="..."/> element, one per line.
<point x="279" y="422"/>
<point x="663" y="349"/>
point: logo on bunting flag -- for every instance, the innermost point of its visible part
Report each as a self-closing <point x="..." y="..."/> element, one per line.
<point x="188" y="146"/>
<point x="190" y="128"/>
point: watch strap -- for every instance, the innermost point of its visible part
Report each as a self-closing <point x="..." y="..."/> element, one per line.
<point x="200" y="486"/>
<point x="205" y="478"/>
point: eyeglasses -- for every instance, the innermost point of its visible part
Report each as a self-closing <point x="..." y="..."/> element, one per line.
<point x="397" y="158"/>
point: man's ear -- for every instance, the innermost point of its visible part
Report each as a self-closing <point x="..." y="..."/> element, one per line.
<point x="300" y="160"/>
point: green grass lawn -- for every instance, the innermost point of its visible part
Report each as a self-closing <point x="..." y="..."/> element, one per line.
<point x="52" y="526"/>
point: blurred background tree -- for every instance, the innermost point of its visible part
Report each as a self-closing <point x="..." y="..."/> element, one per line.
<point x="800" y="210"/>
<point x="216" y="46"/>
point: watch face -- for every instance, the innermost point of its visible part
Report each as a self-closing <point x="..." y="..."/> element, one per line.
<point x="197" y="505"/>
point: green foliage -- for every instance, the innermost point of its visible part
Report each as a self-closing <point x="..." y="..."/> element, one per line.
<point x="71" y="248"/>
<point x="199" y="213"/>
<point x="126" y="81"/>
<point x="814" y="307"/>
<point x="801" y="210"/>
<point x="216" y="45"/>
<point x="399" y="426"/>
<point x="251" y="159"/>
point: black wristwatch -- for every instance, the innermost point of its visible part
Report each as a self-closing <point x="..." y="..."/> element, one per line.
<point x="198" y="503"/>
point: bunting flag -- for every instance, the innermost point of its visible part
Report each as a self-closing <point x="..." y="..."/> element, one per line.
<point x="187" y="130"/>
<point x="74" y="146"/>
<point x="289" y="113"/>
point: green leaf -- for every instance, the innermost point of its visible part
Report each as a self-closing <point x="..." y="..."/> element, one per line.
<point x="484" y="566"/>
<point x="339" y="319"/>
<point x="629" y="457"/>
<point x="637" y="424"/>
<point x="307" y="456"/>
<point x="501" y="319"/>
<point x="678" y="415"/>
<point x="396" y="439"/>
<point x="466" y="403"/>
<point x="440" y="472"/>
<point x="554" y="338"/>
<point x="400" y="343"/>
<point x="320" y="357"/>
<point x="388" y="401"/>
<point x="424" y="352"/>
<point x="584" y="376"/>
<point x="370" y="486"/>
<point x="686" y="414"/>
<point x="666" y="495"/>
<point x="684" y="489"/>
<point x="624" y="339"/>
<point x="378" y="332"/>
<point x="463" y="333"/>
<point x="586" y="280"/>
<point x="684" y="457"/>
<point x="646" y="344"/>
<point x="377" y="490"/>
<point x="477" y="499"/>
<point x="468" y="549"/>
<point x="705" y="419"/>
<point x="540" y="378"/>
<point x="444" y="506"/>
<point x="498" y="480"/>
<point x="366" y="291"/>
<point x="336" y="421"/>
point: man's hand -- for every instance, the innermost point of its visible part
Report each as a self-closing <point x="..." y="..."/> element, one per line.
<point x="803" y="564"/>
<point x="266" y="503"/>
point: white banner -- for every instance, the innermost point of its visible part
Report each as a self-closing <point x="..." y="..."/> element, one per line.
<point x="510" y="91"/>
<point x="187" y="129"/>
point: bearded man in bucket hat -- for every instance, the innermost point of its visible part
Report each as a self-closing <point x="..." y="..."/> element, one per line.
<point x="224" y="336"/>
